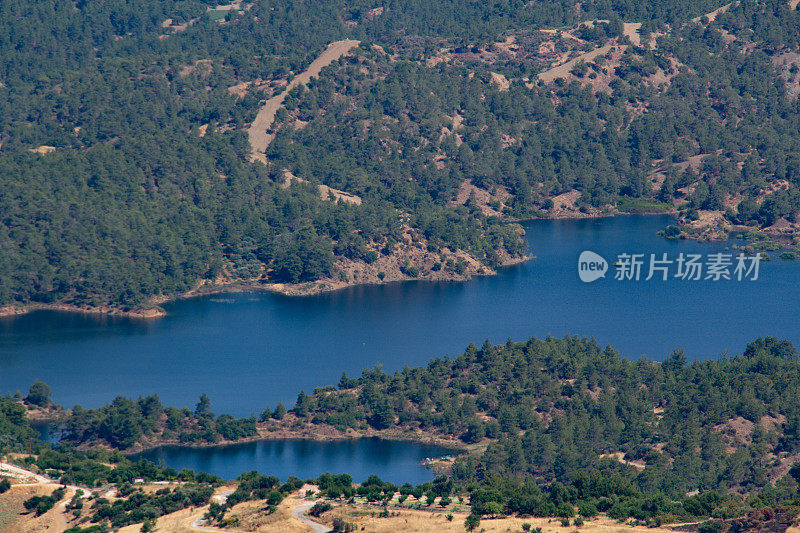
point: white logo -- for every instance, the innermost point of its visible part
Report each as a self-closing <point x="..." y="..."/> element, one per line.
<point x="636" y="267"/>
<point x="591" y="266"/>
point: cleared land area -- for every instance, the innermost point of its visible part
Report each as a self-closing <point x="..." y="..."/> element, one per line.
<point x="259" y="138"/>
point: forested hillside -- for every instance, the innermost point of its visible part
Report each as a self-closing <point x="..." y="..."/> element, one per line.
<point x="548" y="410"/>
<point x="553" y="408"/>
<point x="550" y="426"/>
<point x="124" y="161"/>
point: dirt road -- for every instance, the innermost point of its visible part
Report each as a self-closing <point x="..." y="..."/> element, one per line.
<point x="259" y="138"/>
<point x="563" y="70"/>
<point x="300" y="511"/>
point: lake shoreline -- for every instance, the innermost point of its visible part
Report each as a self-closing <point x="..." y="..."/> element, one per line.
<point x="321" y="433"/>
<point x="452" y="445"/>
<point x="577" y="215"/>
<point x="23" y="309"/>
<point x="292" y="429"/>
<point x="153" y="309"/>
<point x="269" y="347"/>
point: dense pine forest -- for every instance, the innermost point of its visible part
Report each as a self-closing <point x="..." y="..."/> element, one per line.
<point x="124" y="161"/>
<point x="555" y="408"/>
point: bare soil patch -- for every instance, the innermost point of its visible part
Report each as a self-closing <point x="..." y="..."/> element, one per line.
<point x="251" y="516"/>
<point x="325" y="192"/>
<point x="491" y="203"/>
<point x="43" y="150"/>
<point x="620" y="456"/>
<point x="257" y="133"/>
<point x="788" y="66"/>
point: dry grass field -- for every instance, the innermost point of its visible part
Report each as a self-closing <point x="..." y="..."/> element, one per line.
<point x="411" y="521"/>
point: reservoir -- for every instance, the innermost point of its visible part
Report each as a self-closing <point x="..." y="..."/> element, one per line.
<point x="248" y="351"/>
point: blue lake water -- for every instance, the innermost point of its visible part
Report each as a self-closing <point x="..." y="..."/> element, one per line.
<point x="397" y="462"/>
<point x="247" y="351"/>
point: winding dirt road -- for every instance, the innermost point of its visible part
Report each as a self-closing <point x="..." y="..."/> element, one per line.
<point x="300" y="511"/>
<point x="8" y="469"/>
<point x="259" y="138"/>
<point x="29" y="478"/>
<point x="563" y="70"/>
